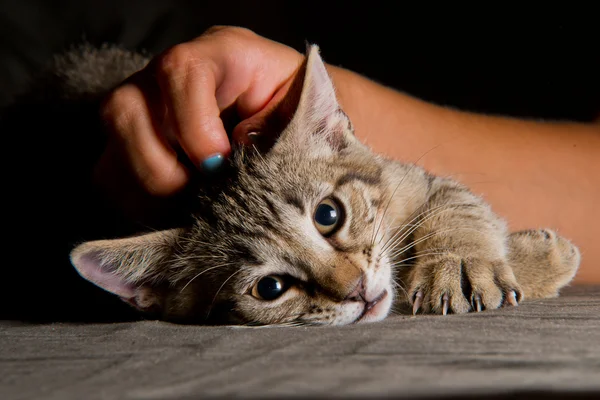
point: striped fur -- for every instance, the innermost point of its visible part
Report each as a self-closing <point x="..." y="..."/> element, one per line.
<point x="406" y="237"/>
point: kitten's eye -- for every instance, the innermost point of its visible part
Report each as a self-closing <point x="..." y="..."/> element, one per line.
<point x="269" y="288"/>
<point x="328" y="216"/>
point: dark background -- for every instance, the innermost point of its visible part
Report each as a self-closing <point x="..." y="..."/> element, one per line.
<point x="540" y="64"/>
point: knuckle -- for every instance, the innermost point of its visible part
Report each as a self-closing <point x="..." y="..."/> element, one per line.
<point x="174" y="61"/>
<point x="153" y="184"/>
<point x="180" y="64"/>
<point x="216" y="29"/>
<point x="121" y="107"/>
<point x="228" y="31"/>
<point x="157" y="179"/>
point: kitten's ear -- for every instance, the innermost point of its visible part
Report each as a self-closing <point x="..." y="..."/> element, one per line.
<point x="132" y="268"/>
<point x="318" y="111"/>
<point x="310" y="108"/>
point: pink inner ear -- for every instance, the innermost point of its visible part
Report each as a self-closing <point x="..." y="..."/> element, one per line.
<point x="89" y="266"/>
<point x="321" y="93"/>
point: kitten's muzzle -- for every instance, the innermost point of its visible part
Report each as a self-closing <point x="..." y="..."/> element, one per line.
<point x="371" y="304"/>
<point x="359" y="293"/>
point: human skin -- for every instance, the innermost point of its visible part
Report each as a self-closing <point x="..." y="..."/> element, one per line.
<point x="534" y="174"/>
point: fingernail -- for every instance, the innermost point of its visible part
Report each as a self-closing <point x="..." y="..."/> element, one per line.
<point x="212" y="164"/>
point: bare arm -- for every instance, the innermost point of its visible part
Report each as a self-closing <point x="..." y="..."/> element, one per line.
<point x="534" y="174"/>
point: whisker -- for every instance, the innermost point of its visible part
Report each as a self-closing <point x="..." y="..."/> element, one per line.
<point x="202" y="272"/>
<point x="377" y="223"/>
<point x="416" y="242"/>
<point x="432" y="213"/>
<point x="429" y="235"/>
<point x="427" y="215"/>
<point x="426" y="210"/>
<point x="260" y="156"/>
<point x="412" y="166"/>
<point x="416" y="209"/>
<point x="400" y="286"/>
<point x="444" y="249"/>
<point x="219" y="290"/>
<point x="419" y="256"/>
<point x="192" y="257"/>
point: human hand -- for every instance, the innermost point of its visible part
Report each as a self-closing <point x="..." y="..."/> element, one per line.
<point x="168" y="119"/>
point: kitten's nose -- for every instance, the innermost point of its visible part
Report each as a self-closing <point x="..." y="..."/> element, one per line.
<point x="358" y="293"/>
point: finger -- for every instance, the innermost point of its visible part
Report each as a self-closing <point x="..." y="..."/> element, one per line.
<point x="258" y="124"/>
<point x="154" y="163"/>
<point x="188" y="86"/>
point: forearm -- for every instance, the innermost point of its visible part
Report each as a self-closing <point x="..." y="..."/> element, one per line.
<point x="534" y="174"/>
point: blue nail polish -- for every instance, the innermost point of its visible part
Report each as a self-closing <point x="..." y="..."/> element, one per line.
<point x="213" y="163"/>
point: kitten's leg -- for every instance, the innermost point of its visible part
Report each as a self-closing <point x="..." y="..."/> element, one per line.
<point x="461" y="260"/>
<point x="542" y="261"/>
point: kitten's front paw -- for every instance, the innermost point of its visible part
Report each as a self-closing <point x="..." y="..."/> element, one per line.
<point x="462" y="284"/>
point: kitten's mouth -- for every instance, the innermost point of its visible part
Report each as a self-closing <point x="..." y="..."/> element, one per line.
<point x="372" y="308"/>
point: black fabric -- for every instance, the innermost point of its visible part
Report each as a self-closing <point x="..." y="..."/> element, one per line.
<point x="543" y="64"/>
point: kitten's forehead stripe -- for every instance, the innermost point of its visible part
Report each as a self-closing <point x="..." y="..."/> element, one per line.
<point x="371" y="180"/>
<point x="271" y="208"/>
<point x="247" y="254"/>
<point x="294" y="200"/>
<point x="249" y="224"/>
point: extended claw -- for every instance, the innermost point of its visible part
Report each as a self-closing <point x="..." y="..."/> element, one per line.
<point x="417" y="302"/>
<point x="445" y="300"/>
<point x="477" y="303"/>
<point x="511" y="298"/>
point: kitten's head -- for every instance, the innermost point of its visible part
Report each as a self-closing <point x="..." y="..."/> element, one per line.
<point x="290" y="236"/>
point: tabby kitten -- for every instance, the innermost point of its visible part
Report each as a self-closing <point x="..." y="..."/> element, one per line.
<point x="309" y="226"/>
